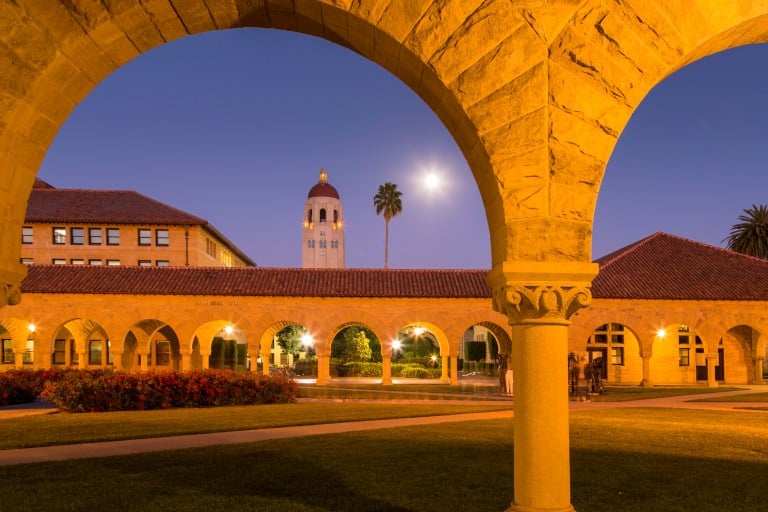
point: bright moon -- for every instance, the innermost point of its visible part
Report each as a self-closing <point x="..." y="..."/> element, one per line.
<point x="432" y="181"/>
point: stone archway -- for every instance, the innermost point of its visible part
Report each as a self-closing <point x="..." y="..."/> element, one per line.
<point x="535" y="94"/>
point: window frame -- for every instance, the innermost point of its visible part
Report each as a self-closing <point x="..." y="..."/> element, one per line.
<point x="58" y="261"/>
<point x="7" y="347"/>
<point x="162" y="263"/>
<point x="59" y="235"/>
<point x="94" y="236"/>
<point x="113" y="263"/>
<point x="113" y="236"/>
<point x="59" y="352"/>
<point x="27" y="235"/>
<point x="77" y="235"/>
<point x="144" y="237"/>
<point x="162" y="238"/>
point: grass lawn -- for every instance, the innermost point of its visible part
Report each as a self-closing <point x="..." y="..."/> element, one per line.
<point x="43" y="430"/>
<point x="632" y="460"/>
<point x="402" y="392"/>
<point x="624" y="394"/>
<point x="751" y="397"/>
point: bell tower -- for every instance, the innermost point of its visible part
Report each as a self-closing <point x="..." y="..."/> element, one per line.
<point x="322" y="239"/>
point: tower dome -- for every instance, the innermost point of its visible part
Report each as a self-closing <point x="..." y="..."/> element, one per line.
<point x="322" y="237"/>
<point x="323" y="188"/>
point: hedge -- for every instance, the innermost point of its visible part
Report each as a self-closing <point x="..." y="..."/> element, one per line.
<point x="108" y="390"/>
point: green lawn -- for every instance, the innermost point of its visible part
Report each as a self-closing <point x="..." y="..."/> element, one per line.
<point x="628" y="460"/>
<point x="402" y="392"/>
<point x="751" y="397"/>
<point x="44" y="430"/>
<point x="623" y="394"/>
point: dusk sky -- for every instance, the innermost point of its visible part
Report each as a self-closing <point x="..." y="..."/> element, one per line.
<point x="235" y="126"/>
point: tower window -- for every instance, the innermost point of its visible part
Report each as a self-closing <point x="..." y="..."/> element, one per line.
<point x="309" y="215"/>
<point x="322" y="244"/>
<point x="310" y="244"/>
<point x="322" y="214"/>
<point x="335" y="216"/>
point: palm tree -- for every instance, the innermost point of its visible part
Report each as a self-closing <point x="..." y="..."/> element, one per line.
<point x="387" y="200"/>
<point x="750" y="235"/>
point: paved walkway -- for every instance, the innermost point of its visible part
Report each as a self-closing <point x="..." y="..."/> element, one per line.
<point x="134" y="446"/>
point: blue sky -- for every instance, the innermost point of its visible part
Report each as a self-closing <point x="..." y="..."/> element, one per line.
<point x="234" y="127"/>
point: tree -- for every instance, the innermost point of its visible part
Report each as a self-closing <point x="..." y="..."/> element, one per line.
<point x="357" y="349"/>
<point x="347" y="336"/>
<point x="289" y="338"/>
<point x="388" y="201"/>
<point x="750" y="235"/>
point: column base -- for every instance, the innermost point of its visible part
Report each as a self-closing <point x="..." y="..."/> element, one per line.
<point x="646" y="384"/>
<point x="713" y="384"/>
<point x="521" y="508"/>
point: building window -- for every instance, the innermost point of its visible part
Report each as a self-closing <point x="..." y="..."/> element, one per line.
<point x="335" y="216"/>
<point x="163" y="353"/>
<point x="310" y="244"/>
<point x="309" y="216"/>
<point x="210" y="247"/>
<point x="27" y="261"/>
<point x="94" y="236"/>
<point x="323" y="244"/>
<point x="8" y="351"/>
<point x="113" y="236"/>
<point x="113" y="263"/>
<point x="162" y="263"/>
<point x="617" y="356"/>
<point x="94" y="352"/>
<point x="29" y="352"/>
<point x="59" y="351"/>
<point x="162" y="238"/>
<point x="145" y="263"/>
<point x="334" y="244"/>
<point x="684" y="356"/>
<point x="59" y="236"/>
<point x="94" y="262"/>
<point x="77" y="261"/>
<point x="59" y="261"/>
<point x="27" y="235"/>
<point x="322" y="214"/>
<point x="145" y="237"/>
<point x="77" y="236"/>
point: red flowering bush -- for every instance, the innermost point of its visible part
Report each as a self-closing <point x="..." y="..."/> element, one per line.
<point x="108" y="390"/>
<point x="23" y="386"/>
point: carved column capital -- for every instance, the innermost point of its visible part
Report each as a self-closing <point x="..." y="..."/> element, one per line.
<point x="10" y="284"/>
<point x="535" y="292"/>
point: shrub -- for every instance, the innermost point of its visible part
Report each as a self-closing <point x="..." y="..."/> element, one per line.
<point x="108" y="390"/>
<point x="23" y="386"/>
<point x="360" y="370"/>
<point x="419" y="372"/>
<point x="305" y="367"/>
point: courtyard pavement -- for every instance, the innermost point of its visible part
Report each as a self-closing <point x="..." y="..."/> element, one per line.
<point x="135" y="446"/>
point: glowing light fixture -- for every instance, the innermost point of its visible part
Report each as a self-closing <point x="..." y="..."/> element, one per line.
<point x="32" y="327"/>
<point x="396" y="344"/>
<point x="661" y="333"/>
<point x="433" y="358"/>
<point x="418" y="330"/>
<point x="228" y="329"/>
<point x="306" y="340"/>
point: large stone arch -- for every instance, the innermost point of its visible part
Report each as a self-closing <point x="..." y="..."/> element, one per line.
<point x="535" y="94"/>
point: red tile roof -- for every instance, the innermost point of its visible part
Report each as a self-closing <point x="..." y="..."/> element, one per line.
<point x="664" y="266"/>
<point x="251" y="281"/>
<point x="661" y="266"/>
<point x="103" y="207"/>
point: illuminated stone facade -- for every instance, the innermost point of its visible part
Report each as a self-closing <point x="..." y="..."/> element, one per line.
<point x="118" y="227"/>
<point x="534" y="92"/>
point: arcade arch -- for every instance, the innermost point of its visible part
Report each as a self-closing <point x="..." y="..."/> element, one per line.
<point x="534" y="95"/>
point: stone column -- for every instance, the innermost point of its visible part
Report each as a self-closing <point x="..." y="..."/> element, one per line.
<point x="757" y="365"/>
<point x="186" y="360"/>
<point x="19" y="347"/>
<point x="323" y="369"/>
<point x="265" y="350"/>
<point x="386" y="365"/>
<point x="646" y="370"/>
<point x="143" y="352"/>
<point x="206" y="358"/>
<point x="444" y="377"/>
<point x="712" y="360"/>
<point x="539" y="300"/>
<point x="454" y="362"/>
